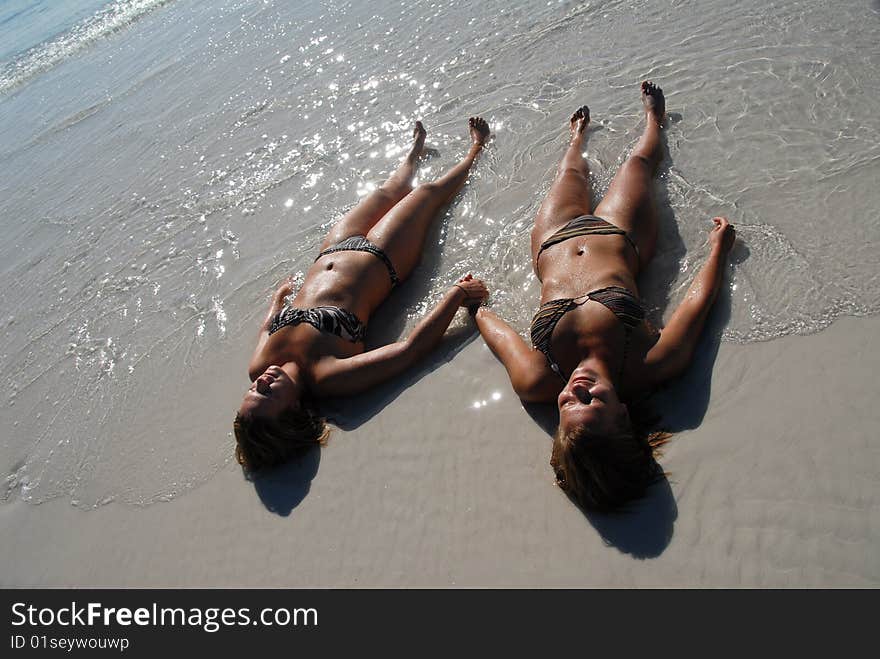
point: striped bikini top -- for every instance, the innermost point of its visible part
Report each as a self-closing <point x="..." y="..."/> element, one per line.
<point x="622" y="303"/>
<point x="332" y="320"/>
<point x="585" y="225"/>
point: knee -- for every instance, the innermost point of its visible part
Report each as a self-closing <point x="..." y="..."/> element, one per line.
<point x="427" y="188"/>
<point x="578" y="173"/>
<point x="390" y="194"/>
<point x="641" y="162"/>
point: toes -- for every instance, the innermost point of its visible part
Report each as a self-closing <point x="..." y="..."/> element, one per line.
<point x="581" y="114"/>
<point x="650" y="89"/>
<point x="479" y="127"/>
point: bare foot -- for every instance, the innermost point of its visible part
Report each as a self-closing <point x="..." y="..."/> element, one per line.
<point x="654" y="100"/>
<point x="418" y="146"/>
<point x="579" y="121"/>
<point x="479" y="130"/>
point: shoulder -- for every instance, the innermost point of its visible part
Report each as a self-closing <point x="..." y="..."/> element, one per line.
<point x="537" y="385"/>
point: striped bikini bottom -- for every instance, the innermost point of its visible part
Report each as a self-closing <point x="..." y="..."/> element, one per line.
<point x="585" y="225"/>
<point x="361" y="244"/>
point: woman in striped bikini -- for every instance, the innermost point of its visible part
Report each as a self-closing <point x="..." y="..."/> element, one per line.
<point x="593" y="350"/>
<point x="312" y="345"/>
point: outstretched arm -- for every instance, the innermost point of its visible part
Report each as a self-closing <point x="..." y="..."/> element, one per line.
<point x="526" y="368"/>
<point x="344" y="377"/>
<point x="671" y="355"/>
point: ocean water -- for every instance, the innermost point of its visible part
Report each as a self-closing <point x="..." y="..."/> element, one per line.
<point x="164" y="164"/>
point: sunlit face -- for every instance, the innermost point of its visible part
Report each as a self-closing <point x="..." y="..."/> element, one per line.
<point x="271" y="394"/>
<point x="591" y="402"/>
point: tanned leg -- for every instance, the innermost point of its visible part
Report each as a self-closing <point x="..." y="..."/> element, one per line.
<point x="401" y="233"/>
<point x="629" y="203"/>
<point x="569" y="196"/>
<point x="372" y="208"/>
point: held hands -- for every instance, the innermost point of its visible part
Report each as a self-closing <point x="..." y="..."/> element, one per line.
<point x="474" y="292"/>
<point x="722" y="235"/>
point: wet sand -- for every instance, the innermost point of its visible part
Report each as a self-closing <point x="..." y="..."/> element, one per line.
<point x="776" y="486"/>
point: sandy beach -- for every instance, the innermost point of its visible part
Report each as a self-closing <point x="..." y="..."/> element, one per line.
<point x="165" y="164"/>
<point x="775" y="487"/>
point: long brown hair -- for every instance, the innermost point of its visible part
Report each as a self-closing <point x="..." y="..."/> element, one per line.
<point x="605" y="472"/>
<point x="263" y="442"/>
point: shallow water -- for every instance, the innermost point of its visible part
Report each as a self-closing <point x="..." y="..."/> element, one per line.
<point x="164" y="164"/>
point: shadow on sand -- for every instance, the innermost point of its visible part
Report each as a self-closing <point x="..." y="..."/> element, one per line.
<point x="352" y="412"/>
<point x="643" y="529"/>
<point x="682" y="403"/>
<point x="282" y="488"/>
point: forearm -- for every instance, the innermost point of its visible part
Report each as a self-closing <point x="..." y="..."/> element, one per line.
<point x="339" y="377"/>
<point x="704" y="290"/>
<point x="674" y="350"/>
<point x="502" y="339"/>
<point x="525" y="366"/>
<point x="430" y="329"/>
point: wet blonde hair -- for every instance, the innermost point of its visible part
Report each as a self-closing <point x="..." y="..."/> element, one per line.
<point x="605" y="472"/>
<point x="266" y="442"/>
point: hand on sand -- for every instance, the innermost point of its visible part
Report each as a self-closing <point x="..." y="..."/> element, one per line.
<point x="722" y="235"/>
<point x="475" y="292"/>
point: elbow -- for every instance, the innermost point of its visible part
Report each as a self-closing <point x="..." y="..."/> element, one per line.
<point x="679" y="362"/>
<point x="410" y="350"/>
<point x="527" y="388"/>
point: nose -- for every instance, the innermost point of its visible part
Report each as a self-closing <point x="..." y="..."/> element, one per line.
<point x="570" y="395"/>
<point x="581" y="391"/>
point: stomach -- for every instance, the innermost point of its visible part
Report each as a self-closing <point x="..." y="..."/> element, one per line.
<point x="584" y="264"/>
<point x="355" y="281"/>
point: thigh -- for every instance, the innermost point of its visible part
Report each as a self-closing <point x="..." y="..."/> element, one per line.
<point x="568" y="198"/>
<point x="401" y="233"/>
<point x="360" y="219"/>
<point x="629" y="205"/>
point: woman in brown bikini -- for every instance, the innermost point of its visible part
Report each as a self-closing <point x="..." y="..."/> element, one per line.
<point x="593" y="351"/>
<point x="312" y="346"/>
